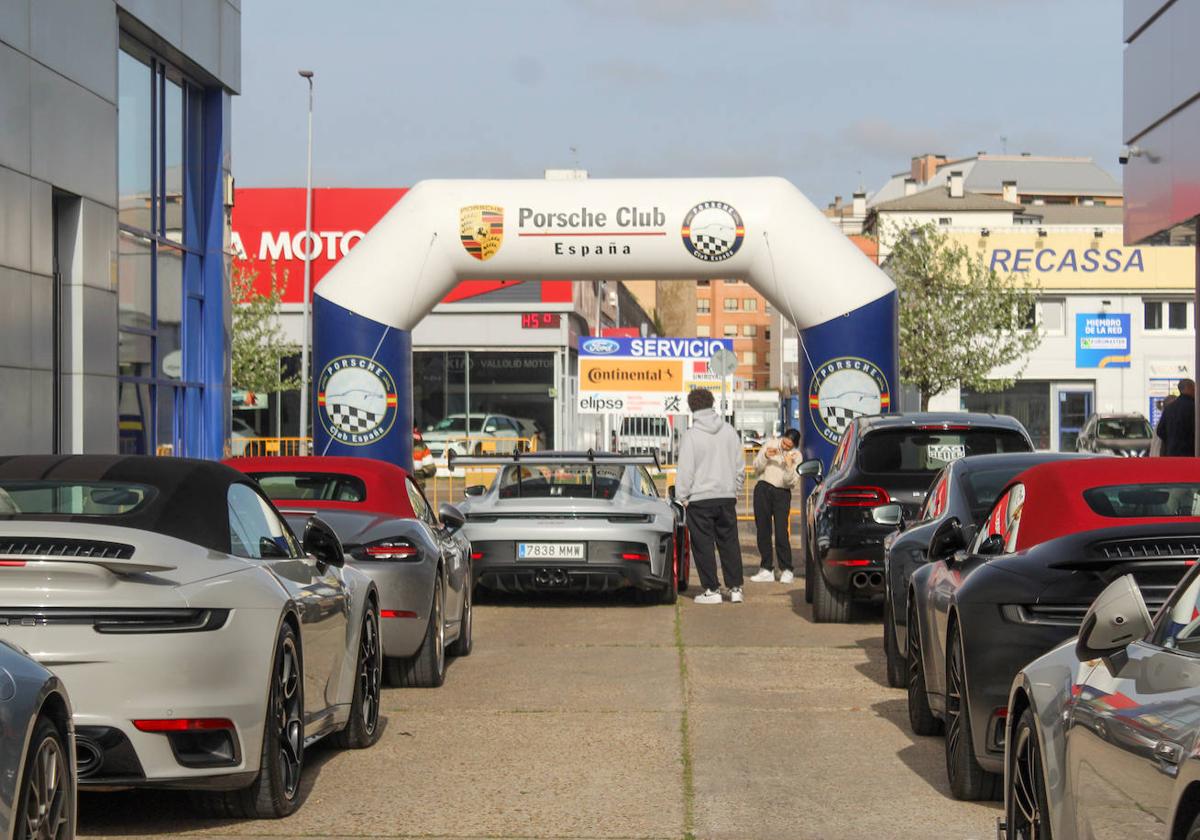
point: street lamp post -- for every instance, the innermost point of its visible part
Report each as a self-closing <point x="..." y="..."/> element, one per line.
<point x="308" y="255"/>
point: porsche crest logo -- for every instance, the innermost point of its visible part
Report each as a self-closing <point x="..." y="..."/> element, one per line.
<point x="481" y="227"/>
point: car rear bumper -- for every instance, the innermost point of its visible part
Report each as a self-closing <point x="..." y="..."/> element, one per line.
<point x="857" y="570"/>
<point x="551" y="575"/>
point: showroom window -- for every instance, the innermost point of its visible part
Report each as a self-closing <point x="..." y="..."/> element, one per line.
<point x="159" y="154"/>
<point x="731" y="305"/>
<point x="703" y="305"/>
<point x="1166" y="315"/>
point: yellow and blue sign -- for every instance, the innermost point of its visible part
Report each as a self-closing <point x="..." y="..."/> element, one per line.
<point x="1102" y="340"/>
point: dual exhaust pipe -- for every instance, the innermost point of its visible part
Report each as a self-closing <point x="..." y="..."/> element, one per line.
<point x="551" y="577"/>
<point x="860" y="580"/>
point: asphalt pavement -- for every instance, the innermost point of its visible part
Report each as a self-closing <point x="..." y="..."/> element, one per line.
<point x="600" y="718"/>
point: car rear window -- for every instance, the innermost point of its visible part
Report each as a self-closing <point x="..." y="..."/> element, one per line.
<point x="573" y="481"/>
<point x="73" y="498"/>
<point x="1143" y="500"/>
<point x="913" y="451"/>
<point x="324" y="487"/>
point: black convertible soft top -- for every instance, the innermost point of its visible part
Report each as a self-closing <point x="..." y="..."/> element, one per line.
<point x="192" y="502"/>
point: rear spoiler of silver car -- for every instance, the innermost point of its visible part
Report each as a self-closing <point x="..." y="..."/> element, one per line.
<point x="535" y="459"/>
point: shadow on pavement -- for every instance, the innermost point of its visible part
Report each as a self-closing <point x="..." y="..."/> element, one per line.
<point x="875" y="668"/>
<point x="871" y="614"/>
<point x="151" y="812"/>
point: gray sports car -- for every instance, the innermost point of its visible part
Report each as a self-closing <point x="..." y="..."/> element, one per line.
<point x="37" y="751"/>
<point x="1103" y="733"/>
<point x="204" y="647"/>
<point x="587" y="521"/>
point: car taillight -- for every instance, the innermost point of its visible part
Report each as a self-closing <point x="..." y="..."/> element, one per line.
<point x="182" y="724"/>
<point x="12" y="563"/>
<point x="476" y="555"/>
<point x="391" y="550"/>
<point x="849" y="562"/>
<point x="397" y="614"/>
<point x="943" y="427"/>
<point x="858" y="497"/>
<point x="636" y="555"/>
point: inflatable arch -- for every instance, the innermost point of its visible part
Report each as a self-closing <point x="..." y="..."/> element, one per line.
<point x="761" y="230"/>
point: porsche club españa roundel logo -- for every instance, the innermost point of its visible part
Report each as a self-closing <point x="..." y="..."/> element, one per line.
<point x="356" y="399"/>
<point x="845" y="388"/>
<point x="713" y="231"/>
<point x="481" y="228"/>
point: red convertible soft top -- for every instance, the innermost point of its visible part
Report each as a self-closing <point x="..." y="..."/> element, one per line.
<point x="1054" y="504"/>
<point x="384" y="482"/>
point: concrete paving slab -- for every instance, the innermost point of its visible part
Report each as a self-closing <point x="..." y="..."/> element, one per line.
<point x="572" y="620"/>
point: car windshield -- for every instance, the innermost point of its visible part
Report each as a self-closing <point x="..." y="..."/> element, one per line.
<point x="1122" y="428"/>
<point x="915" y="451"/>
<point x="456" y="423"/>
<point x="982" y="488"/>
<point x="326" y="487"/>
<point x="573" y="481"/>
<point x="72" y="498"/>
<point x="1138" y="500"/>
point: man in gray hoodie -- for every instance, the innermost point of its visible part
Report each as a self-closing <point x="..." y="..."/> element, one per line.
<point x="710" y="476"/>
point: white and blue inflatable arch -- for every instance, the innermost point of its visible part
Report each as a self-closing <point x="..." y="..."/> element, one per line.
<point x="761" y="230"/>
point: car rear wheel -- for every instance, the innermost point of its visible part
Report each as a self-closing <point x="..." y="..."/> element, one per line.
<point x="897" y="674"/>
<point x="968" y="780"/>
<point x="275" y="792"/>
<point x="829" y="605"/>
<point x="45" y="804"/>
<point x="808" y="573"/>
<point x="1025" y="810"/>
<point x="685" y="560"/>
<point x="920" y="716"/>
<point x="462" y="645"/>
<point x="427" y="667"/>
<point x="669" y="594"/>
<point x="362" y="730"/>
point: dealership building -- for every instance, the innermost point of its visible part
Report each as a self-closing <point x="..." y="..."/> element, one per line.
<point x="114" y="181"/>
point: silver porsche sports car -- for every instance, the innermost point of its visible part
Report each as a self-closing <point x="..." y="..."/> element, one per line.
<point x="37" y="751"/>
<point x="1103" y="736"/>
<point x="203" y="646"/>
<point x="588" y="521"/>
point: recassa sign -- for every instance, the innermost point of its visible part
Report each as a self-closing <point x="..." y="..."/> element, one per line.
<point x="1102" y="340"/>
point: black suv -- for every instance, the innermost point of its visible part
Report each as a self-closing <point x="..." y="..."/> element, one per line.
<point x="882" y="459"/>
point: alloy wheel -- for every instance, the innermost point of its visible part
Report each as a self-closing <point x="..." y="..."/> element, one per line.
<point x="289" y="726"/>
<point x="1025" y="819"/>
<point x="46" y="794"/>
<point x="954" y="702"/>
<point x="439" y="625"/>
<point x="370" y="672"/>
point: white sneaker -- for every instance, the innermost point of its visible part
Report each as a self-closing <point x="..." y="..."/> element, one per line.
<point x="735" y="595"/>
<point x="764" y="576"/>
<point x="709" y="596"/>
<point x="786" y="576"/>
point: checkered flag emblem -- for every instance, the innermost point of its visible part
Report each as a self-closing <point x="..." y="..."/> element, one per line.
<point x="706" y="243"/>
<point x="351" y="420"/>
<point x="838" y="417"/>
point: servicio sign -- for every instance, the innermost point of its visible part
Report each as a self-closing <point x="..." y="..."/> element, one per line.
<point x="643" y="376"/>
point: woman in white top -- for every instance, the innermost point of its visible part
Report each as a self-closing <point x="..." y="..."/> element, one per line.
<point x="775" y="469"/>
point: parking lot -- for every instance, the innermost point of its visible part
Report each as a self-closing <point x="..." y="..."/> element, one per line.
<point x="598" y="718"/>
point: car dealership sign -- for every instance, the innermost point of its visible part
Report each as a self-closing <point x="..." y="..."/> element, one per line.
<point x="1102" y="340"/>
<point x="644" y="376"/>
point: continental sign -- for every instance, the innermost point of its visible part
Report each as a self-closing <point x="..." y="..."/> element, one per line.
<point x="625" y="375"/>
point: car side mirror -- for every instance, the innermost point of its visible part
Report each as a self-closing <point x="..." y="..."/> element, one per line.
<point x="947" y="539"/>
<point x="891" y="515"/>
<point x="1117" y="618"/>
<point x="322" y="542"/>
<point x="812" y="468"/>
<point x="992" y="546"/>
<point x="451" y="517"/>
<point x="475" y="490"/>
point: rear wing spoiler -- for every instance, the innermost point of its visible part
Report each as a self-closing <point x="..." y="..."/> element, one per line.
<point x="535" y="459"/>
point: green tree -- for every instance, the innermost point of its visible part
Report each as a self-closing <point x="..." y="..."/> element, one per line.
<point x="959" y="319"/>
<point x="258" y="342"/>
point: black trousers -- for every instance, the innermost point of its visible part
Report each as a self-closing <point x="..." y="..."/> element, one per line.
<point x="771" y="508"/>
<point x="713" y="526"/>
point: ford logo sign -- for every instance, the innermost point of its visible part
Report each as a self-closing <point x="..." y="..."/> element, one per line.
<point x="601" y="346"/>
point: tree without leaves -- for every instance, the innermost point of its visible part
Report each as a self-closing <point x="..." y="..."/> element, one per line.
<point x="959" y="319"/>
<point x="257" y="342"/>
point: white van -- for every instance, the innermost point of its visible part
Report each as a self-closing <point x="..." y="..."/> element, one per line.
<point x="647" y="435"/>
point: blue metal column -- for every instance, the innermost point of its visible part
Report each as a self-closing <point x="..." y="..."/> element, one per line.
<point x="362" y="386"/>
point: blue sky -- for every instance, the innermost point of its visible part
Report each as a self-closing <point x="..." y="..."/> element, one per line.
<point x="827" y="93"/>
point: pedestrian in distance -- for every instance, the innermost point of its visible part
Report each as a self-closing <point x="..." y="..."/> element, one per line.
<point x="710" y="477"/>
<point x="775" y="469"/>
<point x="424" y="467"/>
<point x="1177" y="426"/>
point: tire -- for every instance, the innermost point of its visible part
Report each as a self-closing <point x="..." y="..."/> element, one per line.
<point x="1025" y="810"/>
<point x="829" y="607"/>
<point x="808" y="573"/>
<point x="920" y="716"/>
<point x="669" y="594"/>
<point x="466" y="625"/>
<point x="45" y="805"/>
<point x="363" y="730"/>
<point x="685" y="561"/>
<point x="897" y="670"/>
<point x="968" y="781"/>
<point x="276" y="791"/>
<point x="1193" y="832"/>
<point x="427" y="667"/>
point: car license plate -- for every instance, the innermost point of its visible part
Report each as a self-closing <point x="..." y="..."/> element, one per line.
<point x="549" y="551"/>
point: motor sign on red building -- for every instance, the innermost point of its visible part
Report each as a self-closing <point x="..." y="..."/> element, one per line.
<point x="268" y="228"/>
